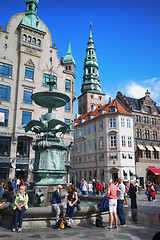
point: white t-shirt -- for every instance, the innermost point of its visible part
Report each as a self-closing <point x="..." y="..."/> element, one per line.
<point x="90" y="187"/>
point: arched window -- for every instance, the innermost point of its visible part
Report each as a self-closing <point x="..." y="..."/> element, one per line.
<point x="34" y="41"/>
<point x="24" y="37"/>
<point x="66" y="68"/>
<point x="39" y="42"/>
<point x="69" y="68"/>
<point x="29" y="39"/>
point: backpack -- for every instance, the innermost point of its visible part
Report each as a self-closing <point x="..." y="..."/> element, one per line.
<point x="99" y="222"/>
<point x="61" y="223"/>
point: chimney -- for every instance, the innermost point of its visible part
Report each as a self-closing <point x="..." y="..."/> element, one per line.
<point x="111" y="99"/>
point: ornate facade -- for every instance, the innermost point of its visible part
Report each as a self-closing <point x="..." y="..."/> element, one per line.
<point x="146" y="135"/>
<point x="27" y="60"/>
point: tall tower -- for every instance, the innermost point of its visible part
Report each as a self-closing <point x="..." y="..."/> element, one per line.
<point x="91" y="96"/>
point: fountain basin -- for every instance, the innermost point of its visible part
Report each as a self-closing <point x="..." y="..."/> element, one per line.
<point x="50" y="99"/>
<point x="38" y="217"/>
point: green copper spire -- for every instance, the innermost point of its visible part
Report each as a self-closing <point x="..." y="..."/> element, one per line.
<point x="69" y="58"/>
<point x="91" y="75"/>
<point x="31" y="18"/>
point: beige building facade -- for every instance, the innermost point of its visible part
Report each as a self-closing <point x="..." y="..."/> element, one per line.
<point x="28" y="58"/>
<point x="104" y="144"/>
<point x="146" y="136"/>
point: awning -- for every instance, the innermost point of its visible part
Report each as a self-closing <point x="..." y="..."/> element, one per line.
<point x="141" y="147"/>
<point x="157" y="148"/>
<point x="149" y="147"/>
<point x="154" y="170"/>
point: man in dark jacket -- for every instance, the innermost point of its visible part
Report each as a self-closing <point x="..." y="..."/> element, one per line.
<point x="7" y="199"/>
<point x="57" y="204"/>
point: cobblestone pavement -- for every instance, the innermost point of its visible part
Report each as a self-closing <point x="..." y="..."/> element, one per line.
<point x="142" y="223"/>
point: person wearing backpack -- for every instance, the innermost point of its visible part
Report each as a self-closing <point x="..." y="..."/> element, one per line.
<point x="20" y="206"/>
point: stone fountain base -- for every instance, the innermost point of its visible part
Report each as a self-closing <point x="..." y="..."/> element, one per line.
<point x="40" y="217"/>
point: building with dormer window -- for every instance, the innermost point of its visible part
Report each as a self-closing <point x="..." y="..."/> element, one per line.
<point x="146" y="136"/>
<point x="104" y="144"/>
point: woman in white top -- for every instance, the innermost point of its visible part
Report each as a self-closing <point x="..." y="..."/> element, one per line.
<point x="72" y="198"/>
<point x="90" y="188"/>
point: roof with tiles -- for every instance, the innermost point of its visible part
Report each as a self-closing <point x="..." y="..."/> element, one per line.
<point x="105" y="110"/>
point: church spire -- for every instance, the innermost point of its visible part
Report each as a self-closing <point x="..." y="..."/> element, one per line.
<point x="91" y="75"/>
<point x="69" y="58"/>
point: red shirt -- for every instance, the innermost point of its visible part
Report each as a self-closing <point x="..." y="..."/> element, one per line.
<point x="113" y="191"/>
<point x="99" y="186"/>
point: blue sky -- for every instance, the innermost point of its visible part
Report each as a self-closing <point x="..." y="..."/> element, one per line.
<point x="126" y="34"/>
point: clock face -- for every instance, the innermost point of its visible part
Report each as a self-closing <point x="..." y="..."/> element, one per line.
<point x="95" y="96"/>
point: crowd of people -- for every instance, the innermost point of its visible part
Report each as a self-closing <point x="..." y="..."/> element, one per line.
<point x="13" y="194"/>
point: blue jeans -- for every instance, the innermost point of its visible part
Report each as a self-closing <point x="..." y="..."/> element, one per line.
<point x="18" y="217"/>
<point x="120" y="211"/>
<point x="149" y="196"/>
<point x="70" y="210"/>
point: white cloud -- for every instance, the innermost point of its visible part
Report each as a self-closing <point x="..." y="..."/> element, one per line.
<point x="135" y="90"/>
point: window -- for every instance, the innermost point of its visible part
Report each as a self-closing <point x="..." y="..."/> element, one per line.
<point x="129" y="142"/>
<point x="5" y="93"/>
<point x="5" y="70"/>
<point x="123" y="141"/>
<point x="138" y="133"/>
<point x="89" y="145"/>
<point x="49" y="78"/>
<point x="67" y="107"/>
<point x="23" y="147"/>
<point x="113" y="141"/>
<point x="140" y="154"/>
<point x="29" y="39"/>
<point x="101" y="125"/>
<point x="24" y="38"/>
<point x="93" y="106"/>
<point x="148" y="154"/>
<point x="89" y="117"/>
<point x="94" y="144"/>
<point x="89" y="129"/>
<point x="112" y="122"/>
<point x="154" y="135"/>
<point x="149" y="109"/>
<point x="101" y="157"/>
<point x="80" y="147"/>
<point x="145" y="119"/>
<point x="4" y="117"/>
<point x="156" y="154"/>
<point x="26" y="117"/>
<point x="153" y="121"/>
<point x="122" y="122"/>
<point x="146" y="134"/>
<point x="84" y="131"/>
<point x="39" y="42"/>
<point x="112" y="109"/>
<point x="29" y="74"/>
<point x="34" y="41"/>
<point x="68" y="85"/>
<point x="76" y="134"/>
<point x="101" y="142"/>
<point x="100" y="112"/>
<point x="84" y="146"/>
<point x="138" y="118"/>
<point x="66" y="120"/>
<point x="5" y="145"/>
<point x="27" y="96"/>
<point x="94" y="127"/>
<point x="128" y="123"/>
<point x="80" y="133"/>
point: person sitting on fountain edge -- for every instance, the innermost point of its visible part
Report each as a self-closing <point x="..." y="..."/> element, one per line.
<point x="57" y="203"/>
